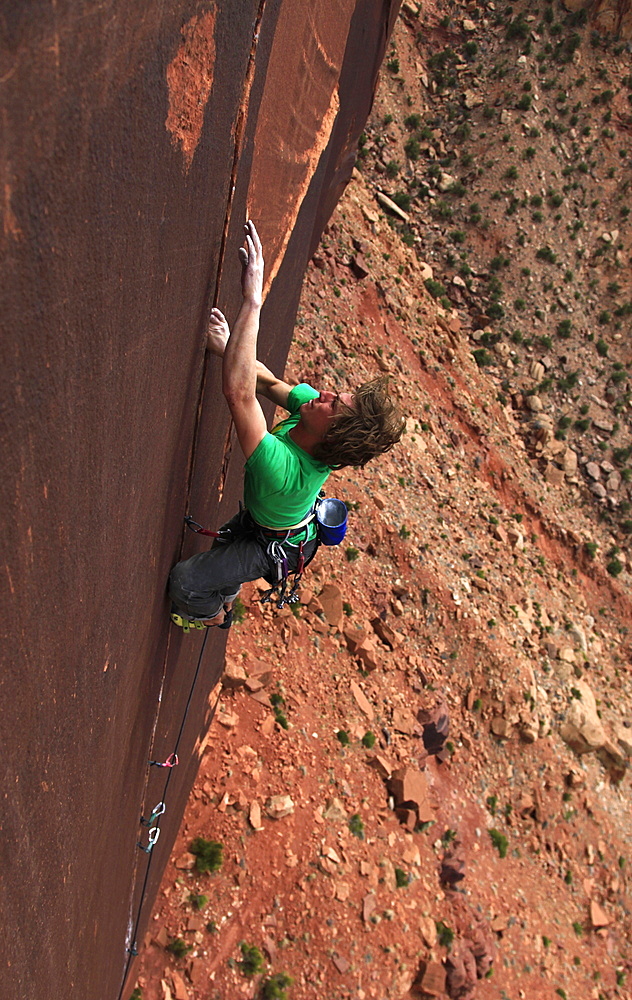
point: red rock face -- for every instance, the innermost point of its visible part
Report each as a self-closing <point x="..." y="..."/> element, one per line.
<point x="611" y="18"/>
<point x="135" y="140"/>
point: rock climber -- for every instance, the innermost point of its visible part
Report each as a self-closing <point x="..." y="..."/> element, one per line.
<point x="284" y="469"/>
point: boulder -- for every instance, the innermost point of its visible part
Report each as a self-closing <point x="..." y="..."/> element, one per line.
<point x="279" y="806"/>
<point x="330" y="598"/>
<point x="409" y="789"/>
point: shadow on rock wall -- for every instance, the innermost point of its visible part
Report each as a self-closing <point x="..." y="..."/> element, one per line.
<point x="135" y="139"/>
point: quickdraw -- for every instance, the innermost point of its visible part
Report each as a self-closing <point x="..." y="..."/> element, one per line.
<point x="155" y="813"/>
<point x="171" y="761"/>
<point x="154" y="833"/>
<point x="199" y="530"/>
<point x="276" y="553"/>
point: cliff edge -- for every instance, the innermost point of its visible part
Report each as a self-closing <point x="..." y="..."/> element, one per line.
<point x="136" y="140"/>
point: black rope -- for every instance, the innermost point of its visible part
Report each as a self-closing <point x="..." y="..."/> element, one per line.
<point x="133" y="950"/>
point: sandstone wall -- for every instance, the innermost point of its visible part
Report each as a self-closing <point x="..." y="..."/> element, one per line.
<point x="612" y="17"/>
<point x="134" y="139"/>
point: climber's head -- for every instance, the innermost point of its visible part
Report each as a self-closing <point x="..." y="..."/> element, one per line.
<point x="359" y="426"/>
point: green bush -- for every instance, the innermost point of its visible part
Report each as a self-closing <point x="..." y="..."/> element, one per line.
<point x="564" y="329"/>
<point x="402" y="200"/>
<point x="435" y="288"/>
<point x="239" y="611"/>
<point x="356" y="826"/>
<point x="445" y="934"/>
<point x="495" y="311"/>
<point x="402" y="878"/>
<point x="252" y="960"/>
<point x="343" y="737"/>
<point x="274" y="987"/>
<point x="518" y="28"/>
<point x="482" y="357"/>
<point x="614" y="567"/>
<point x="197" y="900"/>
<point x="602" y="348"/>
<point x="208" y="854"/>
<point x="499" y="841"/>
<point x="412" y="149"/>
<point x="547" y="254"/>
<point x="178" y="947"/>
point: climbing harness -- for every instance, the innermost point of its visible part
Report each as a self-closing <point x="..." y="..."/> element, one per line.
<point x="330" y="515"/>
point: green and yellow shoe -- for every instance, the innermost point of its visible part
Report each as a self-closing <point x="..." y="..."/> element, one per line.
<point x="185" y="623"/>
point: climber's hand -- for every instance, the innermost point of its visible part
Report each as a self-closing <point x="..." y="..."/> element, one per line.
<point x="218" y="333"/>
<point x="251" y="257"/>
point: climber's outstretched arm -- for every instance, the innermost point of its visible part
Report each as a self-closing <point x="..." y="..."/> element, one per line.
<point x="268" y="384"/>
<point x="239" y="369"/>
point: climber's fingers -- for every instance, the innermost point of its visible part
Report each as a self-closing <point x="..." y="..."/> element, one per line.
<point x="254" y="235"/>
<point x="251" y="257"/>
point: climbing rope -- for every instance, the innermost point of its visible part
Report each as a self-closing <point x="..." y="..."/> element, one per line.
<point x="151" y="824"/>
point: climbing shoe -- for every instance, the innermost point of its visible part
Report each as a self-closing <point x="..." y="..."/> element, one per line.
<point x="185" y="623"/>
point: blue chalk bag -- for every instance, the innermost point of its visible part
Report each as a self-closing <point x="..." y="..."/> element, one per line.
<point x="331" y="516"/>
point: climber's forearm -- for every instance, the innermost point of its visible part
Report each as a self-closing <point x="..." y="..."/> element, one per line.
<point x="240" y="366"/>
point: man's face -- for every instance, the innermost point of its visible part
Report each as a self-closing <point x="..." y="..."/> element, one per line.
<point x="317" y="413"/>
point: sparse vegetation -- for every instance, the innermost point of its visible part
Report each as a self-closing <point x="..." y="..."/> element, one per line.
<point x="208" y="854"/>
<point x="252" y="960"/>
<point x="499" y="841"/>
<point x="356" y="826"/>
<point x="275" y="987"/>
<point x="178" y="947"/>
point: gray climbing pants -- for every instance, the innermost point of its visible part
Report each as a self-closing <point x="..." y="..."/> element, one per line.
<point x="201" y="585"/>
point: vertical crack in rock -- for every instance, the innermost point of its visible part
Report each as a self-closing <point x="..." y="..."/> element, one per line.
<point x="189" y="81"/>
<point x="238" y="133"/>
<point x="228" y="447"/>
<point x="238" y="139"/>
<point x="294" y="128"/>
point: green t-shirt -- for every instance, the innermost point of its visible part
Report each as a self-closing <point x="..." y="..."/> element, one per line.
<point x="282" y="481"/>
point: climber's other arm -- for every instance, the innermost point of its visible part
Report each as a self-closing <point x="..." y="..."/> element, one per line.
<point x="239" y="369"/>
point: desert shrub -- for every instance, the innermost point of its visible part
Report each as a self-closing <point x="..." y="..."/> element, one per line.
<point x="208" y="854"/>
<point x="435" y="288"/>
<point x="401" y="199"/>
<point x="412" y="148"/>
<point x="252" y="959"/>
<point x="564" y="329"/>
<point x="499" y="841"/>
<point x="547" y="254"/>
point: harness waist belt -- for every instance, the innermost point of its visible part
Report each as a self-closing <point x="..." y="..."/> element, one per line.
<point x="288" y="532"/>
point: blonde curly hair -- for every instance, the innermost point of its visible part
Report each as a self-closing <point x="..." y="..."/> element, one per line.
<point x="358" y="434"/>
